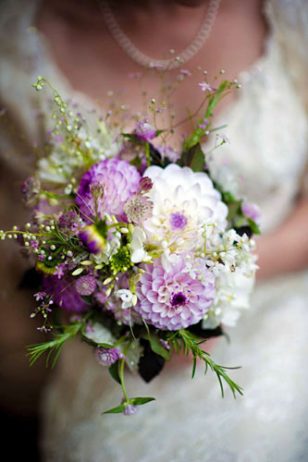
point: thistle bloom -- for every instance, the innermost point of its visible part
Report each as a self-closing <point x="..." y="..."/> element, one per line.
<point x="85" y="285"/>
<point x="106" y="187"/>
<point x="108" y="356"/>
<point x="138" y="208"/>
<point x="170" y="298"/>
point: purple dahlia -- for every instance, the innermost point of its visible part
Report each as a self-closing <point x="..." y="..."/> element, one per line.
<point x="171" y="298"/>
<point x="64" y="294"/>
<point x="106" y="187"/>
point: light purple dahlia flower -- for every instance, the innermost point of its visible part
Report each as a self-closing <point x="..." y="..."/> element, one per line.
<point x="171" y="298"/>
<point x="106" y="187"/>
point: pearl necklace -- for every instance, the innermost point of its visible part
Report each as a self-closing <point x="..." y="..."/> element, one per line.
<point x="161" y="64"/>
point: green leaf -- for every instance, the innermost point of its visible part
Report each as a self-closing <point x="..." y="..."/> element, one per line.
<point x="114" y="372"/>
<point x="216" y="97"/>
<point x="254" y="227"/>
<point x="198" y="159"/>
<point x="193" y="158"/>
<point x="193" y="139"/>
<point x="54" y="346"/>
<point x="115" y="410"/>
<point x="156" y="346"/>
<point x="141" y="400"/>
<point x="228" y="197"/>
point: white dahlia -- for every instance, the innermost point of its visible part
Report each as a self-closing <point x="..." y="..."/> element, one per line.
<point x="184" y="202"/>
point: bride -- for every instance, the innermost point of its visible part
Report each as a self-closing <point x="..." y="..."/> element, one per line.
<point x="85" y="49"/>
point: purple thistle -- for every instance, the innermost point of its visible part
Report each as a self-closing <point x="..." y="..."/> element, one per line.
<point x="138" y="208"/>
<point x="108" y="356"/>
<point x="85" y="285"/>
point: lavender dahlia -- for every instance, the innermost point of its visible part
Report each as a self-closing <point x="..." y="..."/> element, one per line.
<point x="170" y="298"/>
<point x="106" y="187"/>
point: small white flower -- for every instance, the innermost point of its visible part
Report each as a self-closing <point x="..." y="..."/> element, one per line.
<point x="127" y="297"/>
<point x="138" y="253"/>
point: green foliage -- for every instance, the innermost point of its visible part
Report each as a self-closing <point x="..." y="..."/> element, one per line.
<point x="138" y="401"/>
<point x="156" y="346"/>
<point x="114" y="372"/>
<point x="53" y="347"/>
<point x="193" y="158"/>
<point x="189" y="343"/>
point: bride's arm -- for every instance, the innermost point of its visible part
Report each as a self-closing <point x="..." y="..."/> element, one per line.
<point x="286" y="249"/>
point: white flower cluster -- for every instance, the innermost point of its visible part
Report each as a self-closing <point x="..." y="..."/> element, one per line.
<point x="235" y="275"/>
<point x="63" y="163"/>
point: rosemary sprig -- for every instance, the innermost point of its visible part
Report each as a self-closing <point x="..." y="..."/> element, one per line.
<point x="188" y="343"/>
<point x="53" y="347"/>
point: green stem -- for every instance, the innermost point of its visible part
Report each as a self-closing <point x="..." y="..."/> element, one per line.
<point x="121" y="375"/>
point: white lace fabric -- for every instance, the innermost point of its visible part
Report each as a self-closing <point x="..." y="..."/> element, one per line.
<point x="267" y="154"/>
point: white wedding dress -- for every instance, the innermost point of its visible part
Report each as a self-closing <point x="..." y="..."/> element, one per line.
<point x="267" y="128"/>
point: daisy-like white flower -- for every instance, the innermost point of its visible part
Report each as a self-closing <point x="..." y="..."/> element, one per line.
<point x="184" y="202"/>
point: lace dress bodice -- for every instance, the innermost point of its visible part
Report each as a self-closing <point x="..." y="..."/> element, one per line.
<point x="265" y="160"/>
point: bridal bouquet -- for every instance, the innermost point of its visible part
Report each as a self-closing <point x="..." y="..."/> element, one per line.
<point x="139" y="251"/>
